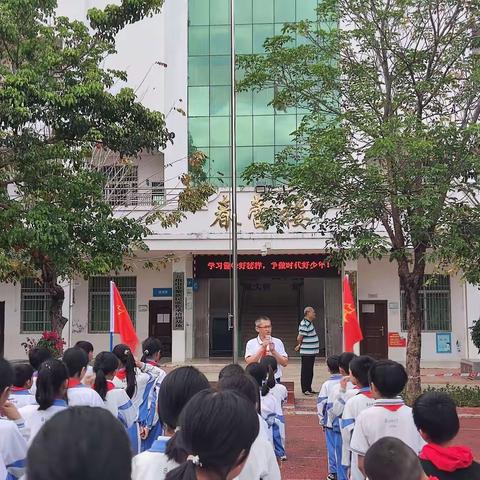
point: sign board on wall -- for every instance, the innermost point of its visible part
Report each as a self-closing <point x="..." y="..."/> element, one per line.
<point x="162" y="292"/>
<point x="444" y="342"/>
<point x="178" y="302"/>
<point x="395" y="340"/>
<point x="220" y="266"/>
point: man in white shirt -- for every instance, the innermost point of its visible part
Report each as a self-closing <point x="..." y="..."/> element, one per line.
<point x="264" y="345"/>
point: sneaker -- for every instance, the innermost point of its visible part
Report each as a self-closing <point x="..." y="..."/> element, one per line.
<point x="313" y="392"/>
<point x="307" y="393"/>
<point x="331" y="476"/>
<point x="283" y="459"/>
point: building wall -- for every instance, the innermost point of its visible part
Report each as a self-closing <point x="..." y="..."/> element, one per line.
<point x="379" y="281"/>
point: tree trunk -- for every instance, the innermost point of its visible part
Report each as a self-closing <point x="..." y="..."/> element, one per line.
<point x="414" y="341"/>
<point x="57" y="296"/>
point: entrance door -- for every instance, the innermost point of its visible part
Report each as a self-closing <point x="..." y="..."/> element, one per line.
<point x="2" y="328"/>
<point x="160" y="324"/>
<point x="374" y="324"/>
<point x="222" y="337"/>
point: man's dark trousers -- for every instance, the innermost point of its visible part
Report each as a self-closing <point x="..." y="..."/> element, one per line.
<point x="306" y="376"/>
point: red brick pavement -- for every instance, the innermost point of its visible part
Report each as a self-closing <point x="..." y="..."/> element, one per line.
<point x="306" y="446"/>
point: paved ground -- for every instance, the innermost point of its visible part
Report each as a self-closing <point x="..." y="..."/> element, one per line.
<point x="306" y="446"/>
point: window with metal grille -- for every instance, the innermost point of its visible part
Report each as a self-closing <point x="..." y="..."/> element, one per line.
<point x="34" y="307"/>
<point x="122" y="184"/>
<point x="435" y="303"/>
<point x="99" y="300"/>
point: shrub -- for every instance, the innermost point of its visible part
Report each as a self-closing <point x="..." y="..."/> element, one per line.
<point x="50" y="340"/>
<point x="463" y="395"/>
<point x="475" y="332"/>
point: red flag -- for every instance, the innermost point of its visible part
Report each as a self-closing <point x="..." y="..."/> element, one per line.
<point x="352" y="332"/>
<point x="120" y="321"/>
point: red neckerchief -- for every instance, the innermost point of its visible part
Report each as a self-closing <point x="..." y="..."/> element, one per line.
<point x="73" y="382"/>
<point x="149" y="362"/>
<point x="392" y="405"/>
<point x="432" y="478"/>
<point x="366" y="392"/>
<point x="121" y="374"/>
<point x="447" y="459"/>
<point x="110" y="385"/>
<point x="18" y="389"/>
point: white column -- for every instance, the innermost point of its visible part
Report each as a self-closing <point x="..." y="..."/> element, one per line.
<point x="182" y="339"/>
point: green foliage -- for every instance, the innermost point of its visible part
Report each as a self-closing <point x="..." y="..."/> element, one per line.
<point x="463" y="395"/>
<point x="475" y="332"/>
<point x="55" y="105"/>
<point x="386" y="158"/>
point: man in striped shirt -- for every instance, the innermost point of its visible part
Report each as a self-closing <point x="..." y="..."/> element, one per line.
<point x="309" y="347"/>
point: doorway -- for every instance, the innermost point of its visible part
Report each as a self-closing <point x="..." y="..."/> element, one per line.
<point x="160" y="324"/>
<point x="374" y="325"/>
<point x="2" y="329"/>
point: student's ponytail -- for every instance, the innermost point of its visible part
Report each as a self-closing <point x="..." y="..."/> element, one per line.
<point x="271" y="382"/>
<point x="51" y="376"/>
<point x="150" y="347"/>
<point x="186" y="471"/>
<point x="125" y="355"/>
<point x="105" y="363"/>
<point x="259" y="373"/>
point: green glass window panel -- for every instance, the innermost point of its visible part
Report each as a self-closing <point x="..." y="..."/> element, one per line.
<point x="198" y="38"/>
<point x="219" y="101"/>
<point x="306" y="10"/>
<point x="264" y="130"/>
<point x="199" y="132"/>
<point x="261" y="100"/>
<point x="219" y="163"/>
<point x="244" y="160"/>
<point x="263" y="154"/>
<point x="260" y="34"/>
<point x="262" y="11"/>
<point x="220" y="70"/>
<point x="243" y="12"/>
<point x="284" y="126"/>
<point x="243" y="39"/>
<point x="244" y="131"/>
<point x="219" y="40"/>
<point x="198" y="101"/>
<point x="219" y="131"/>
<point x="198" y="12"/>
<point x="244" y="103"/>
<point x="198" y="71"/>
<point x="285" y="10"/>
<point x="219" y="12"/>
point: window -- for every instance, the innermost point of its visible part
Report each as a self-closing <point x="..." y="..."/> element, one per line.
<point x="99" y="300"/>
<point x="34" y="307"/>
<point x="122" y="184"/>
<point x="435" y="301"/>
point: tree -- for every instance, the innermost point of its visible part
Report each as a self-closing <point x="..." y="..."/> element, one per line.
<point x="55" y="106"/>
<point x="386" y="157"/>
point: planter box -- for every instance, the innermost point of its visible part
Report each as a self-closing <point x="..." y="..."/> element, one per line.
<point x="469" y="366"/>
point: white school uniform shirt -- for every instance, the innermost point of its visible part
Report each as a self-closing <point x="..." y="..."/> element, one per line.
<point x="13" y="449"/>
<point x="261" y="462"/>
<point x="353" y="407"/>
<point x="386" y="418"/>
<point x="35" y="418"/>
<point x="21" y="398"/>
<point x="263" y="427"/>
<point x="337" y="399"/>
<point x="280" y="392"/>
<point x="322" y="401"/>
<point x="255" y="344"/>
<point x="79" y="394"/>
<point x="120" y="406"/>
<point x="153" y="464"/>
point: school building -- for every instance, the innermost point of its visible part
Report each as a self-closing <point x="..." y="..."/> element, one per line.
<point x="179" y="60"/>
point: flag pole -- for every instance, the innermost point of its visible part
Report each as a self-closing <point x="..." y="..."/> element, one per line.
<point x="233" y="140"/>
<point x="112" y="319"/>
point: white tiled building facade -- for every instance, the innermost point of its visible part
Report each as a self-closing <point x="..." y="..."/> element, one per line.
<point x="280" y="274"/>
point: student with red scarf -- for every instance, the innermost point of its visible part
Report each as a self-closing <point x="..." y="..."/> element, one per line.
<point x="435" y="415"/>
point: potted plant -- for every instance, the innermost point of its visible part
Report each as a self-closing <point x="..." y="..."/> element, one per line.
<point x="52" y="341"/>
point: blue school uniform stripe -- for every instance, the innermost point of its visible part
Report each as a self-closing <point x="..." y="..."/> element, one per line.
<point x="347" y="422"/>
<point x="60" y="403"/>
<point x="20" y="392"/>
<point x="17" y="464"/>
<point x="126" y="406"/>
<point x="159" y="446"/>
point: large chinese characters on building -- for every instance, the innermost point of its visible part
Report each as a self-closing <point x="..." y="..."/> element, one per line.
<point x="311" y="265"/>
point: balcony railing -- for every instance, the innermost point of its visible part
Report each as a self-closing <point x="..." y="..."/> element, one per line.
<point x="139" y="197"/>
